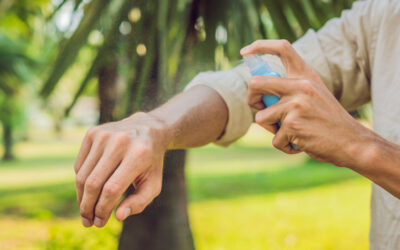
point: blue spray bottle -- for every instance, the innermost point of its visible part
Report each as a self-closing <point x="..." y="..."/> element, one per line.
<point x="258" y="66"/>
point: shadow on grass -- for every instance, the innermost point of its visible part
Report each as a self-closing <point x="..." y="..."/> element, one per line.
<point x="44" y="201"/>
<point x="58" y="200"/>
<point x="225" y="186"/>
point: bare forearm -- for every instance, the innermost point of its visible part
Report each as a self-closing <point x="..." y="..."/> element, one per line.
<point x="380" y="162"/>
<point x="193" y="118"/>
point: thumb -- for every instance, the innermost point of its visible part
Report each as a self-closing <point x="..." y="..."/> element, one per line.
<point x="138" y="201"/>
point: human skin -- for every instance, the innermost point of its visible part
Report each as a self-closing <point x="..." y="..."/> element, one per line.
<point x="116" y="155"/>
<point x="315" y="121"/>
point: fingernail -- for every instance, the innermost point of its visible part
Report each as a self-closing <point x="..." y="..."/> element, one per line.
<point x="244" y="49"/>
<point x="127" y="212"/>
<point x="86" y="222"/>
<point x="98" y="222"/>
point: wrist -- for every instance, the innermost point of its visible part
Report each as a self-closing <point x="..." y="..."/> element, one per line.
<point x="166" y="126"/>
<point x="365" y="151"/>
<point x="161" y="130"/>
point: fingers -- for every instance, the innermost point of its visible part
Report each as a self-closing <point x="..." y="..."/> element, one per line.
<point x="116" y="185"/>
<point x="90" y="162"/>
<point x="262" y="85"/>
<point x="96" y="179"/>
<point x="269" y="118"/>
<point x="113" y="189"/>
<point x="293" y="63"/>
<point x="286" y="134"/>
<point x="83" y="152"/>
<point x="282" y="142"/>
<point x="143" y="196"/>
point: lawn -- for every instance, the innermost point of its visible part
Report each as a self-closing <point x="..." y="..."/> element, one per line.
<point x="249" y="196"/>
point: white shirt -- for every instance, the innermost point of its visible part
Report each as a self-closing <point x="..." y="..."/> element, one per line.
<point x="358" y="58"/>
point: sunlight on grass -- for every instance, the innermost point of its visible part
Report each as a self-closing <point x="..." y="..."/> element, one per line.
<point x="249" y="196"/>
<point x="327" y="217"/>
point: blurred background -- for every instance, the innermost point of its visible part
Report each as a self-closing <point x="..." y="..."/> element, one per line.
<point x="66" y="65"/>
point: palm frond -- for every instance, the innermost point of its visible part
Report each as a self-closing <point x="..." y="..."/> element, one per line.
<point x="69" y="51"/>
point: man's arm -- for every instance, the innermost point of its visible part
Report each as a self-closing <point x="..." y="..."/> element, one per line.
<point x="316" y="122"/>
<point x="380" y="162"/>
<point x="194" y="118"/>
<point x="118" y="154"/>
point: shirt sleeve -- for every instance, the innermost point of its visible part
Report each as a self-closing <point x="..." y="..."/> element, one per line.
<point x="341" y="52"/>
<point x="231" y="85"/>
<point x="338" y="52"/>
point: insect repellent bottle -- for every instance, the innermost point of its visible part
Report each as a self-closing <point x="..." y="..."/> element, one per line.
<point x="258" y="66"/>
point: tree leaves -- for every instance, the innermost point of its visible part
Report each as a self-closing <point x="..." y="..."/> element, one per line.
<point x="70" y="49"/>
<point x="179" y="32"/>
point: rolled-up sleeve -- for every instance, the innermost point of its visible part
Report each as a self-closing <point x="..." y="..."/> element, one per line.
<point x="232" y="87"/>
<point x="338" y="52"/>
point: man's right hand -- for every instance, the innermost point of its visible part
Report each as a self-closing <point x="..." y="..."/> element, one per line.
<point x="114" y="156"/>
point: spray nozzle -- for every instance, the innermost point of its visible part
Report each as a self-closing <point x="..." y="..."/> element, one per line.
<point x="254" y="62"/>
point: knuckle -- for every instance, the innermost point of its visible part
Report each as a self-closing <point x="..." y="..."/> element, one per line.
<point x="275" y="142"/>
<point x="139" y="207"/>
<point x="140" y="114"/>
<point x="92" y="184"/>
<point x="76" y="168"/>
<point x="297" y="104"/>
<point x="103" y="135"/>
<point x="255" y="83"/>
<point x="259" y="118"/>
<point x="80" y="180"/>
<point x="291" y="124"/>
<point x="285" y="44"/>
<point x="142" y="149"/>
<point x="112" y="189"/>
<point x="157" y="189"/>
<point x="306" y="87"/>
<point x="92" y="132"/>
<point x="101" y="212"/>
<point x="122" y="139"/>
<point x="85" y="212"/>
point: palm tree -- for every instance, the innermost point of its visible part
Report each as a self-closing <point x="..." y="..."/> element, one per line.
<point x="164" y="43"/>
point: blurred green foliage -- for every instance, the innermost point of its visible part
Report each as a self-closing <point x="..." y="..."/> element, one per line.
<point x="180" y="38"/>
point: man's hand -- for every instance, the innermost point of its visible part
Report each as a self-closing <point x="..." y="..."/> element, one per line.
<point x="131" y="152"/>
<point x="311" y="116"/>
<point x="114" y="156"/>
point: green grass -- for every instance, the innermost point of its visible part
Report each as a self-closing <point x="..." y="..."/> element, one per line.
<point x="249" y="196"/>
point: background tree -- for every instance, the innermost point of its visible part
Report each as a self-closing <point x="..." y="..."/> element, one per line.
<point x="19" y="21"/>
<point x="152" y="48"/>
<point x="12" y="75"/>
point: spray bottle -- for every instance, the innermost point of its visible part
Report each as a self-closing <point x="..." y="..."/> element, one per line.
<point x="258" y="66"/>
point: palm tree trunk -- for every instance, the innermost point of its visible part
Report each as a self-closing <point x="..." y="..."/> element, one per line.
<point x="8" y="142"/>
<point x="108" y="94"/>
<point x="164" y="224"/>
